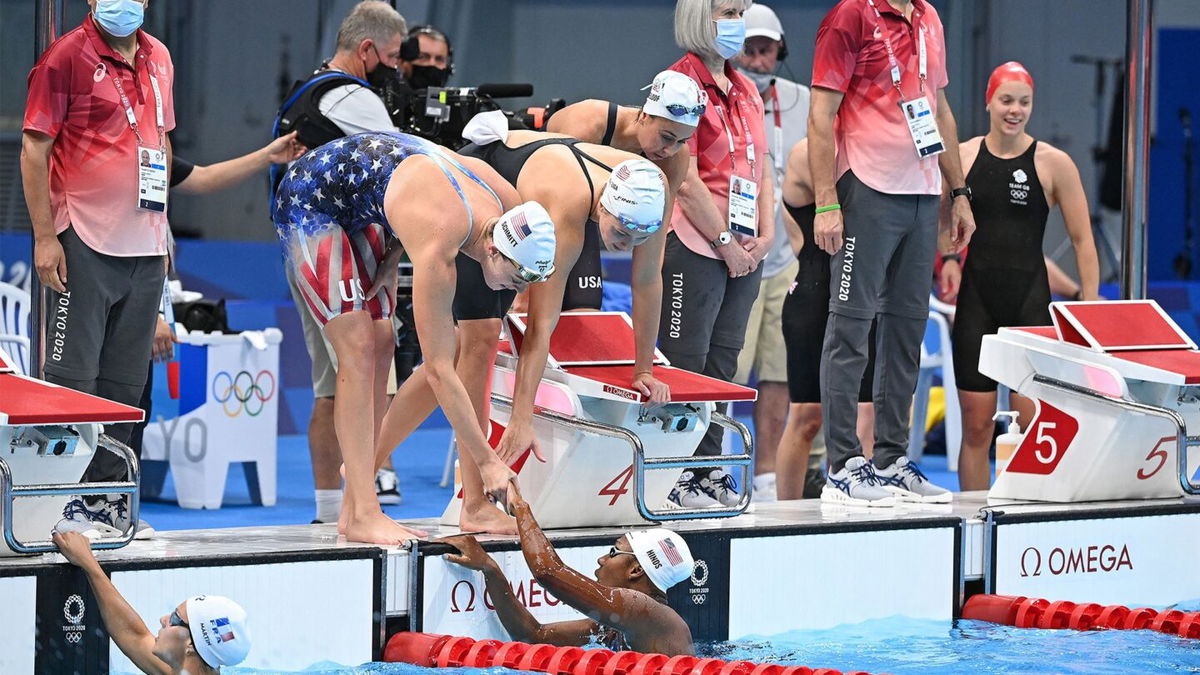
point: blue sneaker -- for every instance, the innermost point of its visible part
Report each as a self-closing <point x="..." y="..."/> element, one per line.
<point x="856" y="485"/>
<point x="906" y="481"/>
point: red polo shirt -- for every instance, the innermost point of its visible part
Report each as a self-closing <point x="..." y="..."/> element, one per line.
<point x="870" y="131"/>
<point x="710" y="143"/>
<point x="94" y="162"/>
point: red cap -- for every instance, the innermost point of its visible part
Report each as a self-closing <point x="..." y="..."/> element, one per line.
<point x="1007" y="72"/>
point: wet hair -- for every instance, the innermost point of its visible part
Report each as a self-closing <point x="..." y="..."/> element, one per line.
<point x="373" y="20"/>
<point x="693" y="25"/>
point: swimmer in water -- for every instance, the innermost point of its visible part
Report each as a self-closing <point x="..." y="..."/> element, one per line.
<point x="184" y="643"/>
<point x="626" y="605"/>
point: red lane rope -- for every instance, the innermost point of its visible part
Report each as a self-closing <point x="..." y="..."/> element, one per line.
<point x="1023" y="612"/>
<point x="449" y="651"/>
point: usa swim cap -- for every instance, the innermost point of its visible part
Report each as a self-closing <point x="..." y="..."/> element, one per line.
<point x="663" y="554"/>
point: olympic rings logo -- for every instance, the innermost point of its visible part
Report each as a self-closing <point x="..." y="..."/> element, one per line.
<point x="243" y="392"/>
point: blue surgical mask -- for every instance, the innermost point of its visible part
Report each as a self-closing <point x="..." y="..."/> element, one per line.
<point x="120" y="18"/>
<point x="731" y="35"/>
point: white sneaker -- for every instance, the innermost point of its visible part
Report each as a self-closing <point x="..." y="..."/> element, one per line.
<point x="387" y="487"/>
<point x="720" y="486"/>
<point x="906" y="481"/>
<point x="108" y="519"/>
<point x="764" y="488"/>
<point x="113" y="512"/>
<point x="856" y="485"/>
<point x="688" y="493"/>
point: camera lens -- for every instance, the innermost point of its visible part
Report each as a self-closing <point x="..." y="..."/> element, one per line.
<point x="59" y="447"/>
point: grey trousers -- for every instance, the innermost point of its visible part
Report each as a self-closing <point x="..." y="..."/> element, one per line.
<point x="99" y="333"/>
<point x="883" y="271"/>
<point x="704" y="317"/>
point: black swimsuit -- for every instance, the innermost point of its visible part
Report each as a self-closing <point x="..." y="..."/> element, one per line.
<point x="584" y="285"/>
<point x="805" y="313"/>
<point x="1004" y="281"/>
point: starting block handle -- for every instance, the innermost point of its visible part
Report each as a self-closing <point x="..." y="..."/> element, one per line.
<point x="10" y="493"/>
<point x="744" y="461"/>
<point x="1183" y="442"/>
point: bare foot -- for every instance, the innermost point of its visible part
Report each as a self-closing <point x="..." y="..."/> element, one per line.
<point x="486" y="518"/>
<point x="343" y="517"/>
<point x="377" y="528"/>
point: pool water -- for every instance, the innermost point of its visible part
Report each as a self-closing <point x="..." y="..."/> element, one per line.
<point x="904" y="646"/>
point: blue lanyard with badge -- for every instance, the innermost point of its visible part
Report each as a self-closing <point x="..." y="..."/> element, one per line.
<point x="922" y="124"/>
<point x="152" y="162"/>
<point x="743" y="191"/>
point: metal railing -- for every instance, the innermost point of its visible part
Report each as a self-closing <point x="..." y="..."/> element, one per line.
<point x="1182" y="441"/>
<point x="744" y="461"/>
<point x="10" y="493"/>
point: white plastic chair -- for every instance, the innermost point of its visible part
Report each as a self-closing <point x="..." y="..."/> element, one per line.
<point x="936" y="356"/>
<point x="14" y="324"/>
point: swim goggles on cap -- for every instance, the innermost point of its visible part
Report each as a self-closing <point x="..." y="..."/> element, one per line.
<point x="679" y="110"/>
<point x="528" y="275"/>
<point x="648" y="228"/>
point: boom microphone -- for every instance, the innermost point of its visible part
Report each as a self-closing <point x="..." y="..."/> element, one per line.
<point x="505" y="90"/>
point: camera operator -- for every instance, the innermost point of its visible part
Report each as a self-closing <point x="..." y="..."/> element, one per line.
<point x="341" y="98"/>
<point x="426" y="58"/>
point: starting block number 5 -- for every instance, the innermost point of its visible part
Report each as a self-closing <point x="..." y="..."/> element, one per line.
<point x="1046" y="443"/>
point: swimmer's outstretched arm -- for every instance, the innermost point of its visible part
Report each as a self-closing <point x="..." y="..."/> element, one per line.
<point x="123" y="624"/>
<point x="517" y="620"/>
<point x="629" y="611"/>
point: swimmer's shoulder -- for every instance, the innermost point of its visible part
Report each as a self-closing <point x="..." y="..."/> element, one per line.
<point x="585" y="120"/>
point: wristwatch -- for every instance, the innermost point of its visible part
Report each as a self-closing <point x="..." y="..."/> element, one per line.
<point x="721" y="240"/>
<point x="964" y="191"/>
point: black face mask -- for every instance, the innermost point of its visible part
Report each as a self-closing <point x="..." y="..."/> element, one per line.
<point x="424" y="77"/>
<point x="383" y="77"/>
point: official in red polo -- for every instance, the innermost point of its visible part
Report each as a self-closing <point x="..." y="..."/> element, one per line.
<point x="99" y="98"/>
<point x="723" y="224"/>
<point x="879" y="73"/>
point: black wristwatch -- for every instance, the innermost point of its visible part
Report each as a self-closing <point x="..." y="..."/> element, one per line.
<point x="722" y="239"/>
<point x="951" y="256"/>
<point x="964" y="191"/>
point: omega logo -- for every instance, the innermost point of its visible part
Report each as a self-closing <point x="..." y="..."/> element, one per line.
<point x="1083" y="560"/>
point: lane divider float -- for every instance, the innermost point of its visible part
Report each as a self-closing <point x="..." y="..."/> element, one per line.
<point x="1023" y="612"/>
<point x="448" y="651"/>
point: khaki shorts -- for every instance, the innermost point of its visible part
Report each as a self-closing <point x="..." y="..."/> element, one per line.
<point x="764" y="351"/>
<point x="324" y="360"/>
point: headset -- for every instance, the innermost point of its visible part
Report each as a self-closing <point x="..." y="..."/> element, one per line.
<point x="410" y="49"/>
<point x="783" y="50"/>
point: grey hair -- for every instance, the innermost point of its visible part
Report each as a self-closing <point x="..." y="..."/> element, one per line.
<point x="693" y="25"/>
<point x="370" y="20"/>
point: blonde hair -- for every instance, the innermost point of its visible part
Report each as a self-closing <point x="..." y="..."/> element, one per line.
<point x="693" y="25"/>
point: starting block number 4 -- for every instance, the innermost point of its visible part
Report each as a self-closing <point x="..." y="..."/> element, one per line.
<point x="1046" y="442"/>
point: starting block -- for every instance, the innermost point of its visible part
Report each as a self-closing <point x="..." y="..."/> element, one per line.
<point x="1117" y="387"/>
<point x="48" y="435"/>
<point x="609" y="461"/>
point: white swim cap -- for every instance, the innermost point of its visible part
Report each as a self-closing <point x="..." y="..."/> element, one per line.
<point x="636" y="195"/>
<point x="525" y="235"/>
<point x="663" y="554"/>
<point x="218" y="627"/>
<point x="676" y="97"/>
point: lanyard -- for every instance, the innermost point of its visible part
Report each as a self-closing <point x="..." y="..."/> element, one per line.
<point x="891" y="52"/>
<point x="158" y="108"/>
<point x="780" y="160"/>
<point x="750" y="155"/>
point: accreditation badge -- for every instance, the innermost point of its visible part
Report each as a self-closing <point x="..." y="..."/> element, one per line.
<point x="743" y="206"/>
<point x="922" y="125"/>
<point x="152" y="179"/>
